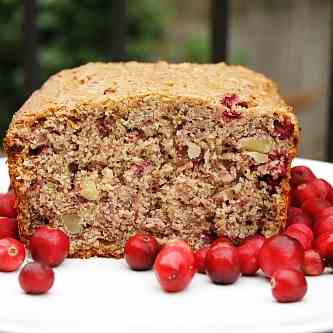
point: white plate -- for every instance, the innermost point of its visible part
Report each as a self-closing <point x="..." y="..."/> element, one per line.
<point x="103" y="295"/>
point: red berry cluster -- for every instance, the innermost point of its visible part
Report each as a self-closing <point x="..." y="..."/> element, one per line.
<point x="49" y="247"/>
<point x="303" y="248"/>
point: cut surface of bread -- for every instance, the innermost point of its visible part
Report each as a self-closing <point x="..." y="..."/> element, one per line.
<point x="180" y="151"/>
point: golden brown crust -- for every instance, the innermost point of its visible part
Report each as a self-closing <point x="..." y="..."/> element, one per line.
<point x="122" y="85"/>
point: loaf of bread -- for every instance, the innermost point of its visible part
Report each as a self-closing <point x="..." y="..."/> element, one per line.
<point x="177" y="150"/>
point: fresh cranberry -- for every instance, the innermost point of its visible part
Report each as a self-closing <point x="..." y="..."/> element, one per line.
<point x="50" y="246"/>
<point x="8" y="228"/>
<point x="315" y="206"/>
<point x="288" y="285"/>
<point x="200" y="258"/>
<point x="301" y="174"/>
<point x="12" y="254"/>
<point x="36" y="278"/>
<point x="222" y="263"/>
<point x="324" y="244"/>
<point x="323" y="225"/>
<point x="315" y="189"/>
<point x="329" y="191"/>
<point x="248" y="254"/>
<point x="141" y="251"/>
<point x="8" y="204"/>
<point x="296" y="215"/>
<point x="302" y="233"/>
<point x="313" y="263"/>
<point x="279" y="252"/>
<point x="324" y="213"/>
<point x="175" y="266"/>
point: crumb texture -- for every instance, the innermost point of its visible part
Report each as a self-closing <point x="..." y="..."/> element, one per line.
<point x="180" y="151"/>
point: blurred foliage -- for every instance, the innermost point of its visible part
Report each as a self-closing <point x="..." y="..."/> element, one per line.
<point x="71" y="32"/>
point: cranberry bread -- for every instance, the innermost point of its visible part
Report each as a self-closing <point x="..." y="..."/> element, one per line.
<point x="183" y="150"/>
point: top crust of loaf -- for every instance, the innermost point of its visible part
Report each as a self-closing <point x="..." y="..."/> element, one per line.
<point x="96" y="84"/>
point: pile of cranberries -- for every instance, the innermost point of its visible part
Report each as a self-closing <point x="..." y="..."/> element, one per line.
<point x="305" y="247"/>
<point x="49" y="247"/>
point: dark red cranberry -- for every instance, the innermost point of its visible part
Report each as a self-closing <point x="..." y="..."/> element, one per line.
<point x="288" y="285"/>
<point x="8" y="228"/>
<point x="280" y="252"/>
<point x="200" y="258"/>
<point x="141" y="167"/>
<point x="175" y="266"/>
<point x="314" y="206"/>
<point x="248" y="254"/>
<point x="12" y="254"/>
<point x="313" y="264"/>
<point x="283" y="129"/>
<point x="302" y="233"/>
<point x="222" y="264"/>
<point x="315" y="189"/>
<point x="36" y="278"/>
<point x="8" y="204"/>
<point x="324" y="244"/>
<point x="231" y="102"/>
<point x="301" y="174"/>
<point x="323" y="225"/>
<point x="49" y="245"/>
<point x="141" y="251"/>
<point x="296" y="215"/>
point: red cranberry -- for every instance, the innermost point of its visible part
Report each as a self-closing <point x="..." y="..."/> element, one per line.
<point x="302" y="233"/>
<point x="284" y="128"/>
<point x="8" y="228"/>
<point x="141" y="251"/>
<point x="315" y="189"/>
<point x="301" y="174"/>
<point x="313" y="263"/>
<point x="36" y="278"/>
<point x="324" y="213"/>
<point x="288" y="285"/>
<point x="8" y="204"/>
<point x="248" y="254"/>
<point x="323" y="225"/>
<point x="175" y="266"/>
<point x="200" y="258"/>
<point x="296" y="215"/>
<point x="50" y="246"/>
<point x="330" y="191"/>
<point x="324" y="244"/>
<point x="222" y="263"/>
<point x="279" y="252"/>
<point x="315" y="206"/>
<point x="12" y="254"/>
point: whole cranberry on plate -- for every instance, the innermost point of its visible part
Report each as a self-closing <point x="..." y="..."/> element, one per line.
<point x="49" y="245"/>
<point x="296" y="215"/>
<point x="200" y="258"/>
<point x="324" y="244"/>
<point x="322" y="225"/>
<point x="315" y="206"/>
<point x="8" y="227"/>
<point x="301" y="174"/>
<point x="314" y="189"/>
<point x="301" y="233"/>
<point x="222" y="263"/>
<point x="12" y="254"/>
<point x="288" y="285"/>
<point x="280" y="252"/>
<point x="8" y="204"/>
<point x="140" y="251"/>
<point x="248" y="253"/>
<point x="36" y="278"/>
<point x="324" y="213"/>
<point x="175" y="266"/>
